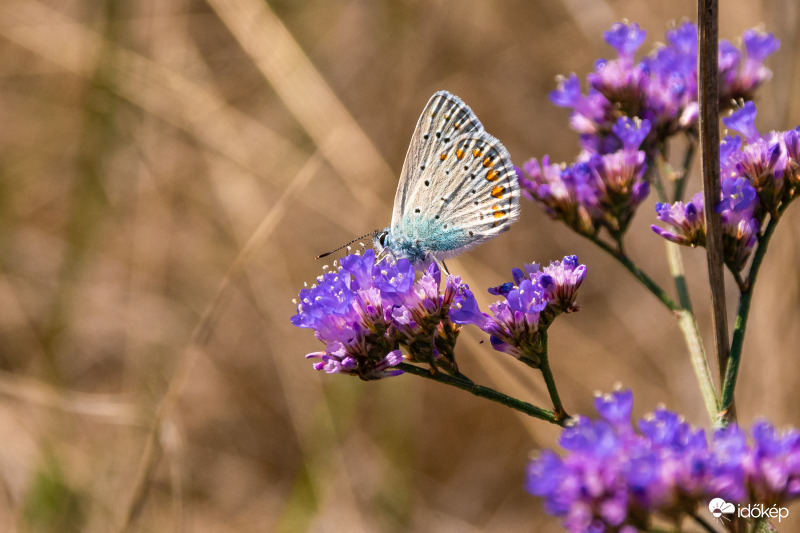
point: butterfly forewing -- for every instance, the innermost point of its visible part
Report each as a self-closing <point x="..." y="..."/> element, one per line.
<point x="467" y="194"/>
<point x="482" y="193"/>
<point x="444" y="118"/>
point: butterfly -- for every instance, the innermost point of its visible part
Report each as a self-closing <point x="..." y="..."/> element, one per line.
<point x="458" y="187"/>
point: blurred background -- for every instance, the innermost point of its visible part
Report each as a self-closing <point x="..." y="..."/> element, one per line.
<point x="169" y="170"/>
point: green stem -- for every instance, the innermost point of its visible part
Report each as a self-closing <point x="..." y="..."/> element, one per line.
<point x="485" y="392"/>
<point x="742" y="314"/>
<point x="686" y="319"/>
<point x="544" y="366"/>
<point x="678" y="273"/>
<point x="643" y="278"/>
<point x="691" y="332"/>
<point x="680" y="183"/>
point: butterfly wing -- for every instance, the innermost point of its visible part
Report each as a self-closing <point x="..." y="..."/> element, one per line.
<point x="457" y="189"/>
<point x="444" y="118"/>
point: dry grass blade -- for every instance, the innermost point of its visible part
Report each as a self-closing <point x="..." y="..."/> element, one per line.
<point x="172" y="97"/>
<point x="202" y="333"/>
<point x="304" y="91"/>
<point x="106" y="406"/>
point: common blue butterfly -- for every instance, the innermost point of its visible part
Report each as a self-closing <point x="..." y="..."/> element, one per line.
<point x="458" y="187"/>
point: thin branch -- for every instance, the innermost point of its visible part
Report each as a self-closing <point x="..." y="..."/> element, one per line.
<point x="643" y="278"/>
<point x="550" y="381"/>
<point x="688" y="158"/>
<point x="740" y="326"/>
<point x="686" y="319"/>
<point x="485" y="392"/>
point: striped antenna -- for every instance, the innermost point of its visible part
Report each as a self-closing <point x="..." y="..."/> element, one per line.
<point x="326" y="254"/>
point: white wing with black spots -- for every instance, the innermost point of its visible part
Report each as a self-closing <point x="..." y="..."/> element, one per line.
<point x="458" y="186"/>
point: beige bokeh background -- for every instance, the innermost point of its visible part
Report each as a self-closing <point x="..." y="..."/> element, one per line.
<point x="169" y="172"/>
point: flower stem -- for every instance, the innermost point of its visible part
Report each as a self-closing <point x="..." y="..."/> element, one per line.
<point x="485" y="392"/>
<point x="740" y="325"/>
<point x="643" y="278"/>
<point x="686" y="319"/>
<point x="691" y="332"/>
<point x="549" y="380"/>
<point x="688" y="157"/>
<point x="697" y="355"/>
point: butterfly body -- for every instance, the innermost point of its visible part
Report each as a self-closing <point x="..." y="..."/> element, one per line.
<point x="458" y="187"/>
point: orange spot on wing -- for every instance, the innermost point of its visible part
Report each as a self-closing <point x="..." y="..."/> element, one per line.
<point x="443" y="156"/>
<point x="456" y="126"/>
<point x="499" y="214"/>
<point x="498" y="191"/>
<point x="476" y="152"/>
<point x="488" y="162"/>
<point x="492" y="176"/>
<point x="460" y="153"/>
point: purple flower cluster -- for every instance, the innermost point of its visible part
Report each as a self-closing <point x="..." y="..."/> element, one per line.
<point x="759" y="178"/>
<point x="629" y="110"/>
<point x="769" y="162"/>
<point x="616" y="477"/>
<point x="599" y="190"/>
<point x="662" y="88"/>
<point x="535" y="297"/>
<point x="365" y="311"/>
<point x="740" y="228"/>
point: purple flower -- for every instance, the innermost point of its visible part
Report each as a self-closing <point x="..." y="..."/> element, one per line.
<point x="773" y="472"/>
<point x="740" y="227"/>
<point x="769" y="162"/>
<point x="564" y="192"/>
<point x="561" y="281"/>
<point x="366" y="311"/>
<point x="422" y="321"/>
<point x="737" y="195"/>
<point x="728" y="148"/>
<point x="688" y="219"/>
<point x="743" y="120"/>
<point x="598" y="191"/>
<point x="759" y="178"/>
<point x="532" y="301"/>
<point x="739" y="79"/>
<point x="614" y="474"/>
<point x="617" y="179"/>
<point x="661" y="88"/>
<point x="625" y="38"/>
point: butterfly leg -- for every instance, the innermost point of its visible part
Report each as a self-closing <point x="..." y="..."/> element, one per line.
<point x="442" y="266"/>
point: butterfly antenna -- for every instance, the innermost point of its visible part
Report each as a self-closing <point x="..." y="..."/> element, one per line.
<point x="326" y="254"/>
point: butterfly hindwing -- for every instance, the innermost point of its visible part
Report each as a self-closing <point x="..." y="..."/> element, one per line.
<point x="457" y="188"/>
<point x="468" y="194"/>
<point x="444" y="118"/>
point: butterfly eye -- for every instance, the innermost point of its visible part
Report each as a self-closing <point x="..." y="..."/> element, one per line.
<point x="382" y="238"/>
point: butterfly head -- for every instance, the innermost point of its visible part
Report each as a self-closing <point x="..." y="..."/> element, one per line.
<point x="381" y="241"/>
